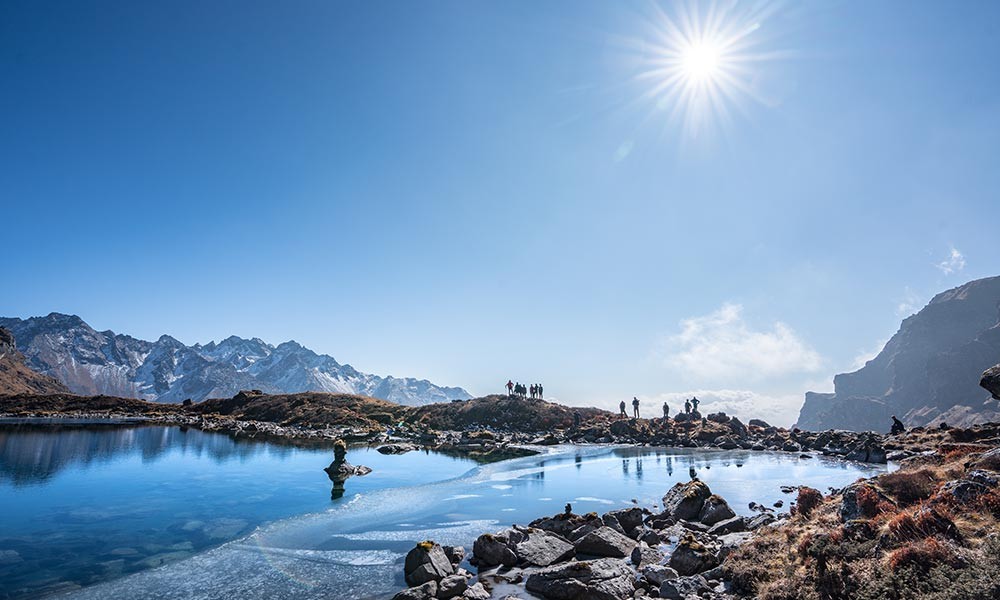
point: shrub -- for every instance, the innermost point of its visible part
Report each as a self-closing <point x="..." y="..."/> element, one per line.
<point x="808" y="500"/>
<point x="870" y="502"/>
<point x="921" y="554"/>
<point x="908" y="487"/>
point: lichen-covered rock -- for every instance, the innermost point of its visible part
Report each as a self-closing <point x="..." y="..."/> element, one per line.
<point x="427" y="561"/>
<point x="684" y="500"/>
<point x="691" y="557"/>
<point x="605" y="542"/>
<point x="602" y="579"/>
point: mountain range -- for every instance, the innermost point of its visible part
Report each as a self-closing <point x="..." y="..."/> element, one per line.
<point x="927" y="373"/>
<point x="90" y="362"/>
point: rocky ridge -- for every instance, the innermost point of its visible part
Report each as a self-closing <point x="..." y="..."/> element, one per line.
<point x="16" y="377"/>
<point x="926" y="373"/>
<point x="91" y="362"/>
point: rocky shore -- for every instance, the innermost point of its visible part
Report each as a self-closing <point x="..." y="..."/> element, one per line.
<point x="928" y="530"/>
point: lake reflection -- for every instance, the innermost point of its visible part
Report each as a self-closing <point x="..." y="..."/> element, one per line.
<point x="84" y="503"/>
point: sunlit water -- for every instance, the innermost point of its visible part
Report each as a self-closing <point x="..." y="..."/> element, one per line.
<point x="255" y="520"/>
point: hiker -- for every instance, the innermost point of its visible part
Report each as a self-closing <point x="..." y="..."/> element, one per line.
<point x="635" y="406"/>
<point x="666" y="411"/>
<point x="540" y="396"/>
<point x="510" y="387"/>
<point x="897" y="426"/>
<point x="687" y="406"/>
<point x="532" y="391"/>
<point x="621" y="407"/>
<point x="694" y="404"/>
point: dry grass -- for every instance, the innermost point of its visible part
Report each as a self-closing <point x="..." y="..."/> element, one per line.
<point x="807" y="501"/>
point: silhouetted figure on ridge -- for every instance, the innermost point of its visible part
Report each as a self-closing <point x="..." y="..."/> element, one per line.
<point x="897" y="426"/>
<point x="510" y="387"/>
<point x="694" y="404"/>
<point x="666" y="411"/>
<point x="621" y="407"/>
<point x="635" y="407"/>
<point x="687" y="406"/>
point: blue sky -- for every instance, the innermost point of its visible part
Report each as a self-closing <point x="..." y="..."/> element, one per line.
<point x="474" y="191"/>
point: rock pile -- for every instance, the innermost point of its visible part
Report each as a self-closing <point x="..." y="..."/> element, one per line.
<point x="627" y="553"/>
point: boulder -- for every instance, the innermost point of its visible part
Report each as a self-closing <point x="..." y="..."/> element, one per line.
<point x="759" y="423"/>
<point x="851" y="509"/>
<point x="456" y="554"/>
<point x="602" y="579"/>
<point x="630" y="519"/>
<point x="605" y="542"/>
<point x="684" y="500"/>
<point x="426" y="562"/>
<point x="963" y="490"/>
<point x="396" y="448"/>
<point x="683" y="587"/>
<point x="565" y="523"/>
<point x="657" y="574"/>
<point x="715" y="509"/>
<point x="733" y="525"/>
<point x="719" y="417"/>
<point x="427" y="591"/>
<point x="452" y="586"/>
<point x="521" y="546"/>
<point x="540" y="548"/>
<point x="990" y="381"/>
<point x="738" y="428"/>
<point x="643" y="555"/>
<point x="691" y="557"/>
<point x="476" y="591"/>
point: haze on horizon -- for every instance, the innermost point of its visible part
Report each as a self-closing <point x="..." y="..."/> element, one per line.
<point x="615" y="199"/>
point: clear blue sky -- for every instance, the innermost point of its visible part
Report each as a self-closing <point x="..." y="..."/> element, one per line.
<point x="471" y="191"/>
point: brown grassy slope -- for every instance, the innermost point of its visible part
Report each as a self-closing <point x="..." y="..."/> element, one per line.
<point x="16" y="377"/>
<point x="500" y="412"/>
<point x="56" y="404"/>
<point x="915" y="538"/>
<point x="309" y="408"/>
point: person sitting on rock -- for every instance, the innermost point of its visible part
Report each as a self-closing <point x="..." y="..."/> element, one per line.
<point x="897" y="426"/>
<point x="621" y="407"/>
<point x="635" y="407"/>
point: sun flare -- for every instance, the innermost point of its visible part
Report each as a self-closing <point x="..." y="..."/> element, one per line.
<point x="702" y="61"/>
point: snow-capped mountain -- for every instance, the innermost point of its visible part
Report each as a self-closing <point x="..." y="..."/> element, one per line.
<point x="103" y="362"/>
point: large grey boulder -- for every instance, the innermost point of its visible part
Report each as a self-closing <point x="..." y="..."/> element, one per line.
<point x="630" y="519"/>
<point x="540" y="549"/>
<point x="426" y="562"/>
<point x="605" y="542"/>
<point x="684" y="500"/>
<point x="476" y="591"/>
<point x="733" y="525"/>
<point x="602" y="579"/>
<point x="521" y="546"/>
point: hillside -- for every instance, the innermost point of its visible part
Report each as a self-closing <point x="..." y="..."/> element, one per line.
<point x="313" y="409"/>
<point x="16" y="377"/>
<point x="927" y="373"/>
<point x="91" y="362"/>
<point x="500" y="412"/>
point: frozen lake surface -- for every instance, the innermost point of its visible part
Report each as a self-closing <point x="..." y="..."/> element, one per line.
<point x="157" y="512"/>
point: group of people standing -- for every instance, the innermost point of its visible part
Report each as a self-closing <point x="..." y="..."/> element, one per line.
<point x="689" y="406"/>
<point x="522" y="391"/>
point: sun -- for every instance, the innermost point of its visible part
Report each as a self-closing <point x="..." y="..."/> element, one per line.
<point x="701" y="61"/>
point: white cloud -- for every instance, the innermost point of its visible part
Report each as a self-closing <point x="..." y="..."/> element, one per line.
<point x="781" y="410"/>
<point x="722" y="346"/>
<point x="954" y="263"/>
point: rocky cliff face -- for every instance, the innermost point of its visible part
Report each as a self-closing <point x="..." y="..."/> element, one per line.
<point x="16" y="377"/>
<point x="93" y="362"/>
<point x="927" y="373"/>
